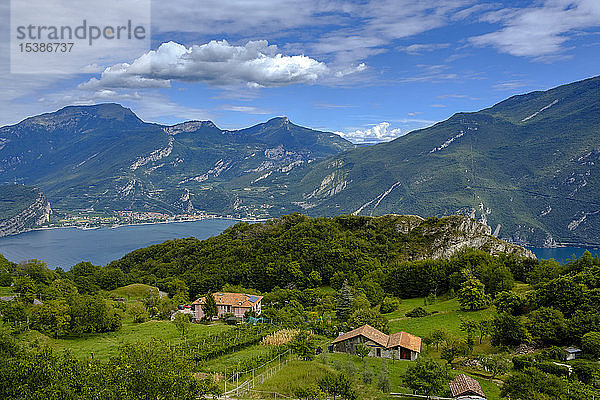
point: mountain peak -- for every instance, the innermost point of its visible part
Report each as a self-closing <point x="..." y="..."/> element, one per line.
<point x="278" y="121"/>
<point x="189" y="126"/>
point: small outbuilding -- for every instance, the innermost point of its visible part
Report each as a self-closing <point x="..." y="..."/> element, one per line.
<point x="573" y="353"/>
<point x="401" y="345"/>
<point x="464" y="387"/>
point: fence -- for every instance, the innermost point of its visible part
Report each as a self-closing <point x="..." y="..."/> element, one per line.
<point x="255" y="376"/>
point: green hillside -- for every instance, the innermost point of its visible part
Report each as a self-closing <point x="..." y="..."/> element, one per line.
<point x="15" y="198"/>
<point x="528" y="166"/>
<point x="104" y="157"/>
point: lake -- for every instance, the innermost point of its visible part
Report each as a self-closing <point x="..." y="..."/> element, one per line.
<point x="66" y="247"/>
<point x="561" y="254"/>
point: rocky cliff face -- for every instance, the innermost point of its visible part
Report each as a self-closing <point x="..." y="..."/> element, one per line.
<point x="32" y="216"/>
<point x="446" y="236"/>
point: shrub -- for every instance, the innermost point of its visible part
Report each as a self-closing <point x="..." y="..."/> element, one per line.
<point x="554" y="369"/>
<point x="590" y="344"/>
<point x="417" y="313"/>
<point x="553" y="353"/>
<point x="389" y="304"/>
<point x="522" y="362"/>
<point x="585" y="371"/>
<point x="138" y="312"/>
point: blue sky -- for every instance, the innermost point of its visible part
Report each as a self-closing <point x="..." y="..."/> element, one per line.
<point x="371" y="70"/>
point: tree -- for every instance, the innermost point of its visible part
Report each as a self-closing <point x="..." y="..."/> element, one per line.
<point x="484" y="327"/>
<point x="383" y="379"/>
<point x="532" y="383"/>
<point x="337" y="385"/>
<point x="343" y="307"/>
<point x="472" y="296"/>
<point x="366" y="374"/>
<point x="438" y="336"/>
<point x="182" y="322"/>
<point x="6" y="278"/>
<point x="362" y="350"/>
<point x="507" y="329"/>
<point x="360" y="302"/>
<point x="209" y="307"/>
<point x="547" y="325"/>
<point x="469" y="327"/>
<point x="455" y="347"/>
<point x="495" y="364"/>
<point x="303" y="345"/>
<point x="138" y="312"/>
<point x="52" y="318"/>
<point x="590" y="344"/>
<point x="26" y="286"/>
<point x="389" y="304"/>
<point x="426" y="376"/>
<point x="369" y="316"/>
<point x="585" y="371"/>
<point x="311" y="392"/>
<point x="314" y="279"/>
<point x="509" y="302"/>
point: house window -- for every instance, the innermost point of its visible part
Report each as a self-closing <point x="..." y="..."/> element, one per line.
<point x="378" y="352"/>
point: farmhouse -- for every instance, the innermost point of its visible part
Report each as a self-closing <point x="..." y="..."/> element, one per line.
<point x="401" y="345"/>
<point x="229" y="303"/>
<point x="464" y="387"/>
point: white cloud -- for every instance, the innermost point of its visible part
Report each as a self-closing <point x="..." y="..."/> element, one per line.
<point x="540" y="31"/>
<point x="354" y="30"/>
<point x="245" y="109"/>
<point x="256" y="64"/>
<point x="377" y="133"/>
<point x="419" y="48"/>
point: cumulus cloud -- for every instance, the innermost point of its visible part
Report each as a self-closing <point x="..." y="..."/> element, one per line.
<point x="377" y="133"/>
<point x="540" y="31"/>
<point x="256" y="64"/>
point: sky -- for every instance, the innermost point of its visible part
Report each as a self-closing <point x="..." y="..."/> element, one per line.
<point x="370" y="70"/>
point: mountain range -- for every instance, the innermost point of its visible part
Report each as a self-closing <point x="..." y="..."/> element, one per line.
<point x="528" y="166"/>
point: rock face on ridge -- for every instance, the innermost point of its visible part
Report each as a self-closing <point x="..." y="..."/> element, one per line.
<point x="449" y="235"/>
<point x="22" y="209"/>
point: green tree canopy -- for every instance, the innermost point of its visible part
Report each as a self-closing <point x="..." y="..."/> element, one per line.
<point x="472" y="296"/>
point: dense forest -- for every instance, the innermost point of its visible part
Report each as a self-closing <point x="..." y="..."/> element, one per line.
<point x="300" y="252"/>
<point x="316" y="275"/>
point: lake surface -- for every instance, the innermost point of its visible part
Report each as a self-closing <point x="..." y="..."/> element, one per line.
<point x="561" y="254"/>
<point x="66" y="247"/>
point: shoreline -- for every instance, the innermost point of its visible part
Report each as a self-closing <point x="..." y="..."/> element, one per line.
<point x="591" y="246"/>
<point x="116" y="226"/>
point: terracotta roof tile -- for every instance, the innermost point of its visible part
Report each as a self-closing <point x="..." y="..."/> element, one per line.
<point x="406" y="340"/>
<point x="464" y="385"/>
<point x="402" y="339"/>
<point x="233" y="299"/>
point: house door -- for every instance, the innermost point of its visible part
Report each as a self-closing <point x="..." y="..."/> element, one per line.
<point x="404" y="354"/>
<point x="378" y="352"/>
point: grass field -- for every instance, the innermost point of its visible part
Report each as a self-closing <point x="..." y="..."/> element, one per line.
<point x="297" y="374"/>
<point x="134" y="291"/>
<point x="220" y="364"/>
<point x="448" y="317"/>
<point x="6" y="291"/>
<point x="104" y="345"/>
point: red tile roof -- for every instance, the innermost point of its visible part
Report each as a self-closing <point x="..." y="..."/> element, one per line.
<point x="401" y="339"/>
<point x="406" y="340"/>
<point x="465" y="385"/>
<point x="233" y="299"/>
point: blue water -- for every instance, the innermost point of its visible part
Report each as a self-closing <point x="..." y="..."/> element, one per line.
<point x="66" y="247"/>
<point x="561" y="254"/>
